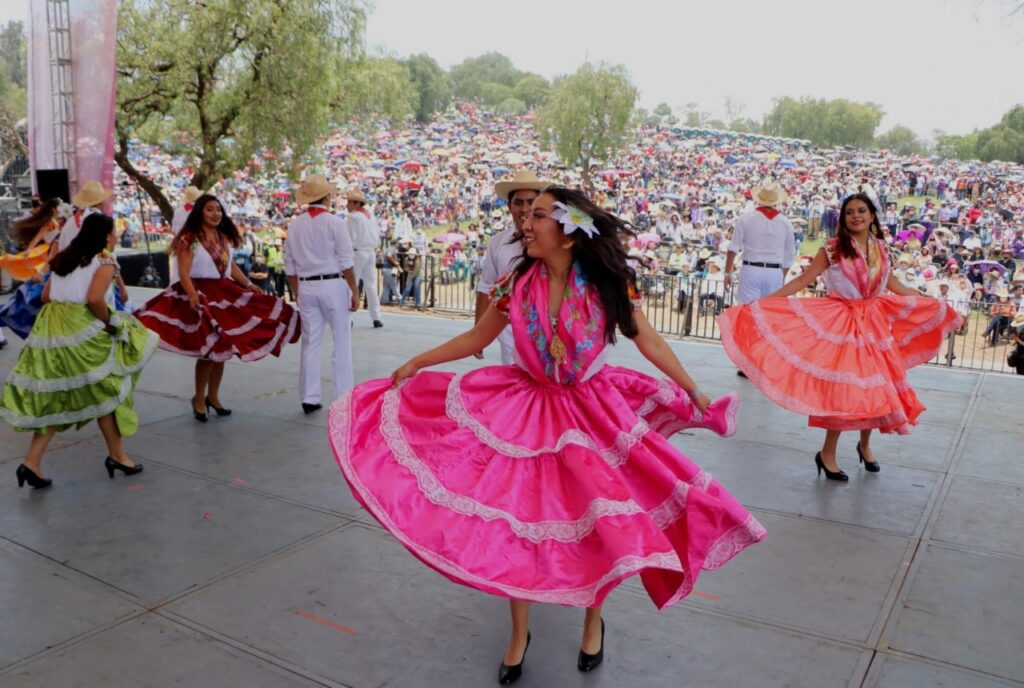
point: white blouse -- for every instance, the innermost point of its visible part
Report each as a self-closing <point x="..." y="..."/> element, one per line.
<point x="203" y="266"/>
<point x="74" y="287"/>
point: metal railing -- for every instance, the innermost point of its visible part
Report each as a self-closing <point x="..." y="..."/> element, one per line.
<point x="686" y="307"/>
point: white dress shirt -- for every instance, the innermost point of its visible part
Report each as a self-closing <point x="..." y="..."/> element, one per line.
<point x="180" y="215"/>
<point x="317" y="245"/>
<point x="72" y="227"/>
<point x="762" y="240"/>
<point x="501" y="257"/>
<point x="362" y="230"/>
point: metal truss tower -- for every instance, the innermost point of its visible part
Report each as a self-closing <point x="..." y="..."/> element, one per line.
<point x="58" y="25"/>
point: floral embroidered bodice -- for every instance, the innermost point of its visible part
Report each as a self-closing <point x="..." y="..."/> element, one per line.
<point x="862" y="277"/>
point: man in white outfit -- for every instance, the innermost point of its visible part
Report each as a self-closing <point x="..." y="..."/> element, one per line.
<point x="503" y="252"/>
<point x="89" y="199"/>
<point x="318" y="263"/>
<point x="765" y="238"/>
<point x="365" y="234"/>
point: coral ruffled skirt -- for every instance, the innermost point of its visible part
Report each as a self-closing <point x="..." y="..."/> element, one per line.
<point x="231" y="321"/>
<point x="843" y="363"/>
<point x="541" y="492"/>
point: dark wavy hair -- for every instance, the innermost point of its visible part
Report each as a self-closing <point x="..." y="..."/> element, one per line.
<point x="843" y="240"/>
<point x="92" y="239"/>
<point x="193" y="226"/>
<point x="26" y="228"/>
<point x="601" y="260"/>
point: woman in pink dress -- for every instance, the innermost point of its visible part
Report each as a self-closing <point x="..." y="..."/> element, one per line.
<point x="551" y="480"/>
<point x="842" y="360"/>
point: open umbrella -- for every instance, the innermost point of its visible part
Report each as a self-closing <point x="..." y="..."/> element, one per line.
<point x="649" y="236"/>
<point x="412" y="165"/>
<point x="450" y="237"/>
<point x="672" y="196"/>
<point x="987" y="266"/>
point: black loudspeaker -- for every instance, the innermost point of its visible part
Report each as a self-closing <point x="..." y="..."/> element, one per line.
<point x="53" y="184"/>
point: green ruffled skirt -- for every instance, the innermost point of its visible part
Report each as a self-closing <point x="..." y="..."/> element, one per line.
<point x="71" y="371"/>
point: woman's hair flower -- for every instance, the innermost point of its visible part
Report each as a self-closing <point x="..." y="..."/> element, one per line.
<point x="572" y="218"/>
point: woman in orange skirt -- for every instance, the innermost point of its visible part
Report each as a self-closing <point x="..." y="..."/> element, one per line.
<point x="842" y="360"/>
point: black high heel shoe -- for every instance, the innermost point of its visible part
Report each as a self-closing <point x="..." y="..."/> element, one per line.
<point x="869" y="466"/>
<point x="587" y="662"/>
<point x="112" y="466"/>
<point x="201" y="417"/>
<point x="510" y="674"/>
<point x="27" y="475"/>
<point x="219" y="410"/>
<point x="831" y="475"/>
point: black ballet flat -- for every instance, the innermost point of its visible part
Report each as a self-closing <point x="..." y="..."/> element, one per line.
<point x="510" y="674"/>
<point x="219" y="410"/>
<point x="869" y="466"/>
<point x="831" y="475"/>
<point x="27" y="475"/>
<point x="201" y="417"/>
<point x="112" y="466"/>
<point x="587" y="662"/>
<point x="311" y="408"/>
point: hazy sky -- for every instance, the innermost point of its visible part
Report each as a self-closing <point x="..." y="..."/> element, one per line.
<point x="932" y="64"/>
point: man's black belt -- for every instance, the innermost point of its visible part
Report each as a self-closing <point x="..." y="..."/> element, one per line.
<point x="320" y="277"/>
<point x="755" y="264"/>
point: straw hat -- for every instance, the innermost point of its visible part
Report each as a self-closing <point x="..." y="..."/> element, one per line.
<point x="523" y="179"/>
<point x="704" y="254"/>
<point x="313" y="188"/>
<point x="190" y="194"/>
<point x="91" y="194"/>
<point x="768" y="194"/>
<point x="1002" y="293"/>
<point x="356" y="195"/>
<point x="1018" y="320"/>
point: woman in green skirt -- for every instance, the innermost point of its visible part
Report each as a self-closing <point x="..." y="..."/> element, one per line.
<point x="82" y="359"/>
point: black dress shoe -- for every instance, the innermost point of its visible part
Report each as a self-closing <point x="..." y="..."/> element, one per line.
<point x="510" y="674"/>
<point x="201" y="417"/>
<point x="869" y="466"/>
<point x="27" y="475"/>
<point x="741" y="373"/>
<point x="587" y="662"/>
<point x="378" y="323"/>
<point x="310" y="408"/>
<point x="831" y="475"/>
<point x="112" y="466"/>
<point x="219" y="410"/>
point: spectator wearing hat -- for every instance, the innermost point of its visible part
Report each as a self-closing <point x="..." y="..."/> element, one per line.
<point x="1016" y="356"/>
<point x="318" y="261"/>
<point x="713" y="286"/>
<point x="363" y="230"/>
<point x="1001" y="312"/>
<point x="413" y="268"/>
<point x="503" y="250"/>
<point x="392" y="266"/>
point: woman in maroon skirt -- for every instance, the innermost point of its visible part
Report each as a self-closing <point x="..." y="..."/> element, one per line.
<point x="214" y="312"/>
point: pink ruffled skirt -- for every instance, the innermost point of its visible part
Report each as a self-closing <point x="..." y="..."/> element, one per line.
<point x="541" y="492"/>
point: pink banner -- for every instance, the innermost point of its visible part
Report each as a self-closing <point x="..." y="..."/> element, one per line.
<point x="93" y="26"/>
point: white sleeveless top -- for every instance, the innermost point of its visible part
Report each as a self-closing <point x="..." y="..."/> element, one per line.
<point x="74" y="287"/>
<point x="203" y="266"/>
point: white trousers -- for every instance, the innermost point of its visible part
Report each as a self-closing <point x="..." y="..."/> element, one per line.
<point x="325" y="303"/>
<point x="756" y="283"/>
<point x="508" y="346"/>
<point x="365" y="268"/>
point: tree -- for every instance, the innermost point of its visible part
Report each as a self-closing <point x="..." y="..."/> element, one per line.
<point x="901" y="140"/>
<point x="824" y="122"/>
<point x="433" y="88"/>
<point x="492" y="93"/>
<point x="532" y="89"/>
<point x="378" y="86"/>
<point x="220" y="80"/>
<point x="955" y="147"/>
<point x="470" y="75"/>
<point x="662" y="111"/>
<point x="13" y="90"/>
<point x="587" y="115"/>
<point x="511" y="106"/>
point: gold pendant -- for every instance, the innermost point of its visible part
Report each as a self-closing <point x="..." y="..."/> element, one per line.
<point x="557" y="349"/>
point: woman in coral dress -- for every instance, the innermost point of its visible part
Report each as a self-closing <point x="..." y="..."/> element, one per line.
<point x="83" y="358"/>
<point x="214" y="312"/>
<point x="842" y="360"/>
<point x="551" y="480"/>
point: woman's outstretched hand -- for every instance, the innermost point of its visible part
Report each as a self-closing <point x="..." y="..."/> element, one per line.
<point x="406" y="371"/>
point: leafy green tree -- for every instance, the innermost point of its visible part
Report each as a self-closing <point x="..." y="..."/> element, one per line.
<point x="955" y="147"/>
<point x="824" y="122"/>
<point x="218" y="81"/>
<point x="469" y="76"/>
<point x="532" y="89"/>
<point x="662" y="111"/>
<point x="492" y="93"/>
<point x="587" y="116"/>
<point x="902" y="141"/>
<point x="13" y="90"/>
<point x="745" y="125"/>
<point x="511" y="106"/>
<point x="433" y="87"/>
<point x="378" y="86"/>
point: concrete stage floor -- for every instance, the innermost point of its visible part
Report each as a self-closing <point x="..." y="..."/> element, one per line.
<point x="239" y="557"/>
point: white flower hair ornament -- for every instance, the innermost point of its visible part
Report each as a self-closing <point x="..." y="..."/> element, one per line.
<point x="572" y="218"/>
